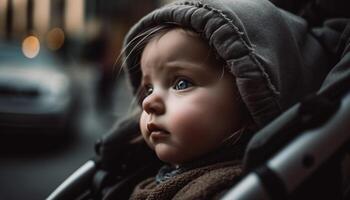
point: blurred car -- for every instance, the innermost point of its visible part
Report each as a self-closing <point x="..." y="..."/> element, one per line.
<point x="37" y="97"/>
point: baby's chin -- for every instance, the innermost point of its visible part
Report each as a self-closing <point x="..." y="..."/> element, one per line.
<point x="171" y="156"/>
<point x="168" y="155"/>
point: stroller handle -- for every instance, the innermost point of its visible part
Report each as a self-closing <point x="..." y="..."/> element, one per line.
<point x="298" y="161"/>
<point x="75" y="182"/>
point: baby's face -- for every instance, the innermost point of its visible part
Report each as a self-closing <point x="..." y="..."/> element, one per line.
<point x="189" y="106"/>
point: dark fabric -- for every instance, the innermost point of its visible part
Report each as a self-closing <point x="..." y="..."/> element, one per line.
<point x="316" y="11"/>
<point x="206" y="182"/>
<point x="341" y="46"/>
<point x="335" y="35"/>
<point x="273" y="55"/>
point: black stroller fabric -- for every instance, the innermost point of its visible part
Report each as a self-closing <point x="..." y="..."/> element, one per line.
<point x="312" y="112"/>
<point x="335" y="85"/>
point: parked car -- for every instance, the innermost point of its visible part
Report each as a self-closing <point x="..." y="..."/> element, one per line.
<point x="37" y="98"/>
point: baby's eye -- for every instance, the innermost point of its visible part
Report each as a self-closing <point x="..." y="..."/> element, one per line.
<point x="148" y="90"/>
<point x="182" y="84"/>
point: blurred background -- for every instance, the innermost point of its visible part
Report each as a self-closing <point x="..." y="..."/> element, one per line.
<point x="61" y="87"/>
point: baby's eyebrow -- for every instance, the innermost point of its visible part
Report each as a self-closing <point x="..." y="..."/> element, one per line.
<point x="181" y="65"/>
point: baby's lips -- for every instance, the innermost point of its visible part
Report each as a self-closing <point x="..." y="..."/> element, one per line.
<point x="152" y="127"/>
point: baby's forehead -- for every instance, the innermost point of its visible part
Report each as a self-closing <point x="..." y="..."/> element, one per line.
<point x="178" y="35"/>
<point x="177" y="44"/>
<point x="177" y="30"/>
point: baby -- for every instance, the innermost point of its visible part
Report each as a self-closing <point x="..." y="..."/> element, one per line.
<point x="190" y="104"/>
<point x="192" y="115"/>
<point x="208" y="74"/>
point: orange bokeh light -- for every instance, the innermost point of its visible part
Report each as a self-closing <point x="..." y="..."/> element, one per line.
<point x="31" y="46"/>
<point x="55" y="38"/>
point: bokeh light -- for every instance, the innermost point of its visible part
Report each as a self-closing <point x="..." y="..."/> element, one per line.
<point x="31" y="46"/>
<point x="55" y="39"/>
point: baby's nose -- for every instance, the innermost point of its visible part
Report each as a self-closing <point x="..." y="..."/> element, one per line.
<point x="153" y="104"/>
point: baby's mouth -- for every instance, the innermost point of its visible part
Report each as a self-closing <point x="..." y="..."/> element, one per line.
<point x="156" y="131"/>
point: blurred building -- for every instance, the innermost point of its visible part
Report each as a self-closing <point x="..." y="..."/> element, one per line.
<point x="56" y="23"/>
<point x="79" y="31"/>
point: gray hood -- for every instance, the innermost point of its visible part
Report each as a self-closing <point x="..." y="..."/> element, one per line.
<point x="272" y="54"/>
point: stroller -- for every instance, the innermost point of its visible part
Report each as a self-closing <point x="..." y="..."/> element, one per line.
<point x="302" y="154"/>
<point x="305" y="151"/>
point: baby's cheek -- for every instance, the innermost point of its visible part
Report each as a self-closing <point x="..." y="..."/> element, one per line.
<point x="142" y="122"/>
<point x="143" y="128"/>
<point x="188" y="122"/>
